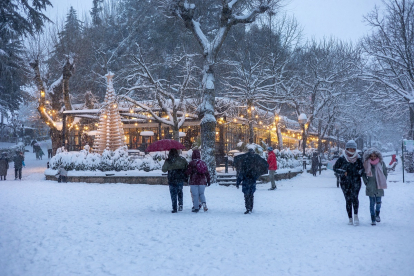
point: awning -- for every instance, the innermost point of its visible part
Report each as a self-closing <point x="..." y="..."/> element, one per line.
<point x="146" y="133"/>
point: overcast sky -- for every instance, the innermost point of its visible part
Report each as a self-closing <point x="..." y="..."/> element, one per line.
<point x="342" y="19"/>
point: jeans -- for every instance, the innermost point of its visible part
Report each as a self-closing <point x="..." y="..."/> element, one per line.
<point x="372" y="201"/>
<point x="197" y="192"/>
<point x="176" y="191"/>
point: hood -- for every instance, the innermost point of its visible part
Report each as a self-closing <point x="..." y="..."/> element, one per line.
<point x="196" y="155"/>
<point x="369" y="151"/>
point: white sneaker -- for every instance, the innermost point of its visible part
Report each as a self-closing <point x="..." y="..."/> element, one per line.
<point x="356" y="220"/>
<point x="351" y="222"/>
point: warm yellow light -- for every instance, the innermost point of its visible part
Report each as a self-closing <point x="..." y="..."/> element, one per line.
<point x="96" y="124"/>
<point x="136" y="124"/>
<point x="260" y="122"/>
<point x="217" y="133"/>
<point x="235" y="120"/>
<point x="42" y="93"/>
<point x="131" y="111"/>
<point x="252" y="107"/>
<point x="257" y="116"/>
<point x="114" y="105"/>
<point x="241" y="116"/>
<point x="186" y="115"/>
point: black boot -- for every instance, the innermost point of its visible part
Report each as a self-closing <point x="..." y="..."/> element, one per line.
<point x="373" y="222"/>
<point x="247" y="203"/>
<point x="377" y="217"/>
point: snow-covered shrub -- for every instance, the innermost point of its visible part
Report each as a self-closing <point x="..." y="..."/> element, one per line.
<point x="117" y="160"/>
<point x="288" y="158"/>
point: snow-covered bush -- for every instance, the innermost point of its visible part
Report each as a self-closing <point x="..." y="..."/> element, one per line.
<point x="288" y="158"/>
<point x="117" y="160"/>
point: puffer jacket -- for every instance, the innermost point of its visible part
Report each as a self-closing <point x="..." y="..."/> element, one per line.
<point x="354" y="172"/>
<point x="176" y="170"/>
<point x="271" y="160"/>
<point x="195" y="177"/>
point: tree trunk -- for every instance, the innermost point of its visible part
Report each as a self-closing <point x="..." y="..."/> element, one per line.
<point x="320" y="136"/>
<point x="411" y="135"/>
<point x="250" y="118"/>
<point x="56" y="137"/>
<point x="279" y="137"/>
<point x="176" y="132"/>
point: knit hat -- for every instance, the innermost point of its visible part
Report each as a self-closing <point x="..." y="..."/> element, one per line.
<point x="270" y="149"/>
<point x="351" y="144"/>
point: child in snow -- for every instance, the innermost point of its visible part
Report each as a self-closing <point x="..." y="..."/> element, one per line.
<point x="199" y="178"/>
<point x="62" y="175"/>
<point x="349" y="168"/>
<point x="375" y="179"/>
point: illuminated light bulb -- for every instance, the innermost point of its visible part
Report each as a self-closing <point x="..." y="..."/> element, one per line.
<point x="252" y="107"/>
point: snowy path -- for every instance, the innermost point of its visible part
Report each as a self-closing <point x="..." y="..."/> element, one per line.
<point x="49" y="228"/>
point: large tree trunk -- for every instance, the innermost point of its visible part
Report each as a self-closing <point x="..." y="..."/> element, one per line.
<point x="320" y="136"/>
<point x="208" y="123"/>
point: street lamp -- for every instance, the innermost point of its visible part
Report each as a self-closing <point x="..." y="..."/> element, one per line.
<point x="302" y="119"/>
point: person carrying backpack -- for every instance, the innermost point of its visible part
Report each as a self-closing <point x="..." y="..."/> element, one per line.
<point x="252" y="166"/>
<point x="199" y="177"/>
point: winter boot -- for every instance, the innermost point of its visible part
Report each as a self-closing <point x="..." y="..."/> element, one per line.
<point x="273" y="188"/>
<point x="247" y="212"/>
<point x="351" y="222"/>
<point x="377" y="217"/>
<point x="180" y="207"/>
<point x="174" y="211"/>
<point x="205" y="207"/>
<point x="373" y="222"/>
<point x="356" y="220"/>
<point x="194" y="210"/>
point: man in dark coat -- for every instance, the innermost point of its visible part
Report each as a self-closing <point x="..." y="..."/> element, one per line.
<point x="176" y="167"/>
<point x="251" y="168"/>
<point x="18" y="165"/>
<point x="4" y="165"/>
<point x="33" y="144"/>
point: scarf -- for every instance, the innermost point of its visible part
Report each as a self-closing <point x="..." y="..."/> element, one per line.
<point x="379" y="173"/>
<point x="351" y="159"/>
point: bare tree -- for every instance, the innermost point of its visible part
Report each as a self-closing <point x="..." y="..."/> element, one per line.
<point x="169" y="95"/>
<point x="390" y="50"/>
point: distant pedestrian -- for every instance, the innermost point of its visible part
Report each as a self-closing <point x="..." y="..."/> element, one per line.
<point x="271" y="160"/>
<point x="4" y="165"/>
<point x="41" y="153"/>
<point x="176" y="167"/>
<point x="33" y="144"/>
<point x="199" y="177"/>
<point x="375" y="179"/>
<point x="252" y="166"/>
<point x="315" y="163"/>
<point x="320" y="163"/>
<point x="18" y="165"/>
<point x="349" y="168"/>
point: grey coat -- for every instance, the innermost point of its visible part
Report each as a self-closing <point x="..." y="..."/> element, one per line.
<point x="371" y="182"/>
<point x="4" y="165"/>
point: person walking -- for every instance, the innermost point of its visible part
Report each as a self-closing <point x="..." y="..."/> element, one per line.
<point x="199" y="177"/>
<point x="33" y="144"/>
<point x="375" y="180"/>
<point x="271" y="160"/>
<point x="320" y="163"/>
<point x="176" y="167"/>
<point x="315" y="163"/>
<point x="248" y="175"/>
<point x="18" y="165"/>
<point x="4" y="166"/>
<point x="349" y="168"/>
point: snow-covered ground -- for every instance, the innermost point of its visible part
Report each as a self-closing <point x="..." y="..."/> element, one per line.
<point x="50" y="228"/>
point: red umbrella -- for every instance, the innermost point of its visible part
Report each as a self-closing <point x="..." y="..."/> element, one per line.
<point x="163" y="145"/>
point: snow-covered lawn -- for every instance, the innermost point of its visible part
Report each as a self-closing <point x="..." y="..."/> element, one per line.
<point x="50" y="228"/>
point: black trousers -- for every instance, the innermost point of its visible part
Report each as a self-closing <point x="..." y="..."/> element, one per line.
<point x="18" y="172"/>
<point x="248" y="201"/>
<point x="351" y="197"/>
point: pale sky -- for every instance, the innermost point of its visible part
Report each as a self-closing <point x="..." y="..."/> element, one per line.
<point x="342" y="19"/>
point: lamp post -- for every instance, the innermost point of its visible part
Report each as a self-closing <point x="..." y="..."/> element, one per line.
<point x="302" y="119"/>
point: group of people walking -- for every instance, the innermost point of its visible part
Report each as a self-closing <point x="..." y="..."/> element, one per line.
<point x="18" y="165"/>
<point x="350" y="168"/>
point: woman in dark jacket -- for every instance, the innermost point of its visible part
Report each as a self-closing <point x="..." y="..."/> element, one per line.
<point x="349" y="168"/>
<point x="176" y="167"/>
<point x="4" y="165"/>
<point x="199" y="178"/>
